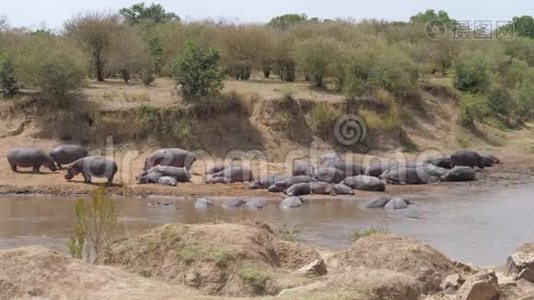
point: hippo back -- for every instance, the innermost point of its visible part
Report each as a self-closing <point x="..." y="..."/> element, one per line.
<point x="28" y="157"/>
<point x="173" y="157"/>
<point x="97" y="166"/>
<point x="66" y="154"/>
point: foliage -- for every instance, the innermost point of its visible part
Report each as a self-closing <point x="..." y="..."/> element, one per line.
<point x="194" y="252"/>
<point x="288" y="232"/>
<point x="287" y="20"/>
<point x="521" y="26"/>
<point x="254" y="277"/>
<point x="197" y="71"/>
<point x="96" y="221"/>
<point x="8" y="82"/>
<point x="322" y="119"/>
<point x="472" y="107"/>
<point x="315" y="56"/>
<point x="363" y="232"/>
<point x="526" y="98"/>
<point x="431" y="15"/>
<point x="96" y="32"/>
<point x="155" y="13"/>
<point x="57" y="72"/>
<point x="471" y="74"/>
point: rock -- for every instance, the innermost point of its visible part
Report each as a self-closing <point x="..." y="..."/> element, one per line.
<point x="453" y="281"/>
<point x="291" y="202"/>
<point x="315" y="268"/>
<point x="233" y="203"/>
<point x="203" y="203"/>
<point x="397" y="203"/>
<point x="520" y="265"/>
<point x="256" y="203"/>
<point x="481" y="286"/>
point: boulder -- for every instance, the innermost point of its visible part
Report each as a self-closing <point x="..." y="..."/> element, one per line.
<point x="314" y="268"/>
<point x="481" y="286"/>
<point x="520" y="265"/>
<point x="291" y="202"/>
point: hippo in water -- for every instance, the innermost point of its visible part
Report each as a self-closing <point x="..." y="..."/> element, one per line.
<point x="92" y="166"/>
<point x="291" y="202"/>
<point x="467" y="158"/>
<point x="30" y="158"/>
<point x="173" y="157"/>
<point x="67" y="154"/>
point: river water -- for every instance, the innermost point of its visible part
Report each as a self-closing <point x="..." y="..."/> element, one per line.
<point x="481" y="227"/>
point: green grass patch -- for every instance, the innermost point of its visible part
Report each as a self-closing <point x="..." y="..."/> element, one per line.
<point x="363" y="232"/>
<point x="190" y="253"/>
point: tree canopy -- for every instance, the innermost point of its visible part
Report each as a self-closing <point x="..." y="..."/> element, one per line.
<point x="155" y="13"/>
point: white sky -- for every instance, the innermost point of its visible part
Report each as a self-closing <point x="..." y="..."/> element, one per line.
<point x="33" y="13"/>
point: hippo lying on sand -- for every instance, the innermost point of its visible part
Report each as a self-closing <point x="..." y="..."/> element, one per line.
<point x="30" y="158"/>
<point x="92" y="166"/>
<point x="180" y="174"/>
<point x="330" y="175"/>
<point x="302" y="167"/>
<point x="409" y="176"/>
<point x="467" y="158"/>
<point x="174" y="157"/>
<point x="299" y="189"/>
<point x="365" y="183"/>
<point x="459" y="173"/>
<point x="231" y="174"/>
<point x="67" y="154"/>
<point x="266" y="181"/>
<point x="282" y="185"/>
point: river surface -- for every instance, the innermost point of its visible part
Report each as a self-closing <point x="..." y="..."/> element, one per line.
<point x="481" y="228"/>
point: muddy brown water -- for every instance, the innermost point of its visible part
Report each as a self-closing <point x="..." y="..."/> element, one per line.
<point x="481" y="227"/>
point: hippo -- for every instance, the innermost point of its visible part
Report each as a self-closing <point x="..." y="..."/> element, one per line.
<point x="67" y="154"/>
<point x="348" y="168"/>
<point x="432" y="170"/>
<point x="302" y="167"/>
<point x="92" y="166"/>
<point x="152" y="177"/>
<point x="180" y="174"/>
<point x="232" y="203"/>
<point x="322" y="188"/>
<point x="397" y="203"/>
<point x="167" y="180"/>
<point x="30" y="157"/>
<point x="234" y="174"/>
<point x="442" y="162"/>
<point x="329" y="156"/>
<point x="299" y="189"/>
<point x="282" y="185"/>
<point x="342" y="189"/>
<point x="330" y="175"/>
<point x="291" y="202"/>
<point x="256" y="203"/>
<point x="365" y="183"/>
<point x="459" y="173"/>
<point x="467" y="158"/>
<point x="203" y="203"/>
<point x="215" y="169"/>
<point x="378" y="203"/>
<point x="376" y="169"/>
<point x="408" y="176"/>
<point x="266" y="181"/>
<point x="173" y="157"/>
<point x="493" y="158"/>
<point x="215" y="180"/>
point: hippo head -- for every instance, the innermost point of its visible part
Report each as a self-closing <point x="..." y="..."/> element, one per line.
<point x="71" y="172"/>
<point x="50" y="163"/>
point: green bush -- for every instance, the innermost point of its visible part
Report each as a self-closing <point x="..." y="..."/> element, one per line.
<point x="363" y="232"/>
<point x="197" y="71"/>
<point x="472" y="107"/>
<point x="8" y="82"/>
<point x="286" y="69"/>
<point x="499" y="101"/>
<point x="57" y="72"/>
<point x="315" y="57"/>
<point x="525" y="97"/>
<point x="471" y="74"/>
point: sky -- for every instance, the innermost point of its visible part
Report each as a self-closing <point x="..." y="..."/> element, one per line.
<point x="52" y="13"/>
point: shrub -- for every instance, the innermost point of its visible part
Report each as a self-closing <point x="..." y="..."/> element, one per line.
<point x="499" y="100"/>
<point x="315" y="56"/>
<point x="363" y="232"/>
<point x="322" y="118"/>
<point x="526" y="99"/>
<point x="197" y="71"/>
<point x="58" y="72"/>
<point x="8" y="82"/>
<point x="286" y="69"/>
<point x="96" y="221"/>
<point x="472" y="107"/>
<point x="471" y="74"/>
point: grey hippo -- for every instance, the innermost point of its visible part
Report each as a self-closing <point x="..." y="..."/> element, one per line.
<point x="256" y="203"/>
<point x="342" y="189"/>
<point x="322" y="188"/>
<point x="203" y="203"/>
<point x="299" y="189"/>
<point x="67" y="154"/>
<point x="329" y="174"/>
<point x="232" y="174"/>
<point x="459" y="173"/>
<point x="365" y="183"/>
<point x="174" y="157"/>
<point x="397" y="203"/>
<point x="291" y="202"/>
<point x="467" y="158"/>
<point x="348" y="168"/>
<point x="180" y="174"/>
<point x="92" y="166"/>
<point x="302" y="167"/>
<point x="442" y="162"/>
<point x="282" y="185"/>
<point x="30" y="158"/>
<point x="408" y="175"/>
<point x="149" y="178"/>
<point x="266" y="181"/>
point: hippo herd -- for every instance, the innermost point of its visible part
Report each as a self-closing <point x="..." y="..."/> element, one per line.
<point x="333" y="175"/>
<point x="73" y="155"/>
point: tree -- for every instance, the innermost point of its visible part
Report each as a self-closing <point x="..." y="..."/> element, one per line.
<point x="523" y="26"/>
<point x="155" y="13"/>
<point x="197" y="71"/>
<point x="287" y="20"/>
<point x="4" y="25"/>
<point x="129" y="54"/>
<point x="471" y="74"/>
<point x="315" y="55"/>
<point x="96" y="32"/>
<point x="431" y="15"/>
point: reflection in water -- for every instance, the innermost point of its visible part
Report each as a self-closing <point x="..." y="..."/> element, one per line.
<point x="481" y="228"/>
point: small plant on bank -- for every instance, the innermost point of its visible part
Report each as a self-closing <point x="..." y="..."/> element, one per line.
<point x="363" y="232"/>
<point x="254" y="277"/>
<point x="288" y="232"/>
<point x="197" y="71"/>
<point x="96" y="221"/>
